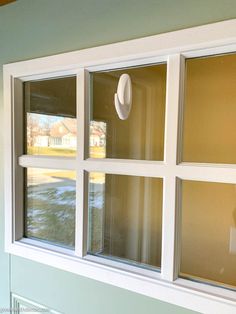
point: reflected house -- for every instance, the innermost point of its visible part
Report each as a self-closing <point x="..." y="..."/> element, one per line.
<point x="62" y="134"/>
<point x="41" y="141"/>
<point x="97" y="138"/>
<point x="98" y="133"/>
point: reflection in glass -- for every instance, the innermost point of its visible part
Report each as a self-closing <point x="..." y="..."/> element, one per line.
<point x="50" y="206"/>
<point x="125" y="215"/>
<point x="209" y="232"/>
<point x="97" y="139"/>
<point x="50" y="109"/>
<point x="209" y="131"/>
<point x="141" y="136"/>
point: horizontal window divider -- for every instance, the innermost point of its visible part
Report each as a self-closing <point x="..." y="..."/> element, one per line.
<point x="126" y="167"/>
<point x="208" y="165"/>
<point x="206" y="172"/>
<point x="54" y="162"/>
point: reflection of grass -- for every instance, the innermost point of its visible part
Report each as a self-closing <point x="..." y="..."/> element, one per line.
<point x="97" y="152"/>
<point x="97" y="177"/>
<point x="51" y="215"/>
<point x="31" y="150"/>
<point x="62" y="174"/>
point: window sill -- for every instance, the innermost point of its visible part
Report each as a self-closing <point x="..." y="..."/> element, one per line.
<point x="192" y="295"/>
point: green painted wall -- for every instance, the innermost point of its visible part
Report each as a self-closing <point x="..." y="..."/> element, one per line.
<point x="34" y="28"/>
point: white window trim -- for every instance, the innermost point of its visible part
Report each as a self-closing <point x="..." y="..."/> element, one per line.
<point x="174" y="46"/>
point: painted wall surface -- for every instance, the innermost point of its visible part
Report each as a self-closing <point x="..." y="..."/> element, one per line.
<point x="30" y="29"/>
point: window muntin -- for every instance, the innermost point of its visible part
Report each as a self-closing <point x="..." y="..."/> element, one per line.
<point x="50" y="114"/>
<point x="141" y="136"/>
<point x="209" y="110"/>
<point x="208" y="231"/>
<point x="125" y="218"/>
<point x="50" y="205"/>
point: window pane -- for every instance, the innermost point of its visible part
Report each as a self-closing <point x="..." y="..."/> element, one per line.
<point x="209" y="131"/>
<point x="141" y="136"/>
<point x="50" y="205"/>
<point x="209" y="231"/>
<point x="125" y="215"/>
<point x="50" y="109"/>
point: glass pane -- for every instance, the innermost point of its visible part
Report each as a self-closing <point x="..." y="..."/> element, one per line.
<point x="50" y="205"/>
<point x="50" y="113"/>
<point x="209" y="132"/>
<point x="209" y="231"/>
<point x="125" y="218"/>
<point x="141" y="136"/>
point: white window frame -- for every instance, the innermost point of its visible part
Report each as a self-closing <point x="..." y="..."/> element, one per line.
<point x="172" y="48"/>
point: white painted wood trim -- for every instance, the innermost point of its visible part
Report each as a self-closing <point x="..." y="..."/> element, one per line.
<point x="171" y="137"/>
<point x="126" y="167"/>
<point x="213" y="300"/>
<point x="206" y="172"/>
<point x="81" y="189"/>
<point x="50" y="162"/>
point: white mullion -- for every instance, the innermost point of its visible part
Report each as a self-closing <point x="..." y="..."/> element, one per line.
<point x="50" y="162"/>
<point x="125" y="167"/>
<point x="81" y="181"/>
<point x="168" y="264"/>
<point x="207" y="172"/>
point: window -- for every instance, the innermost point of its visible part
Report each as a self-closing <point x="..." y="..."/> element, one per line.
<point x="146" y="203"/>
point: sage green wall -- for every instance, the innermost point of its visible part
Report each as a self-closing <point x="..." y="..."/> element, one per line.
<point x="34" y="28"/>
